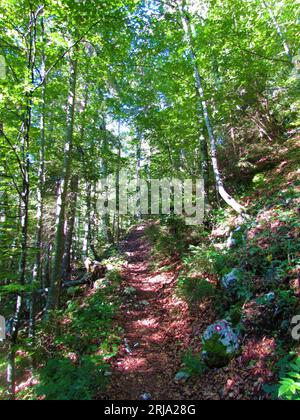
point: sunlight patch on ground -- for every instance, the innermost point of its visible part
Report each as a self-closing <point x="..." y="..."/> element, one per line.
<point x="132" y="364"/>
<point x="147" y="322"/>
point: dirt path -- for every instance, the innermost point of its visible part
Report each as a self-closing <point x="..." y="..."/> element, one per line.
<point x="158" y="329"/>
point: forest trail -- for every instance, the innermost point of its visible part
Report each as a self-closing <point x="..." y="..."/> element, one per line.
<point x="155" y="332"/>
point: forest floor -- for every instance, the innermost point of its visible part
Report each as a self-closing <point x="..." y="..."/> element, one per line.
<point x="154" y="329"/>
<point x="159" y="328"/>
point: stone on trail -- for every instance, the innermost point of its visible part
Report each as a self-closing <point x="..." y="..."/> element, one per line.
<point x="127" y="346"/>
<point x="230" y="280"/>
<point x="182" y="376"/>
<point x="130" y="291"/>
<point x="101" y="284"/>
<point x="145" y="396"/>
<point x="220" y="344"/>
<point x="108" y="373"/>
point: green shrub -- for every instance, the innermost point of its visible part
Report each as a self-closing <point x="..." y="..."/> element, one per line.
<point x="235" y="313"/>
<point x="286" y="303"/>
<point x="114" y="276"/>
<point x="170" y="239"/>
<point x="152" y="232"/>
<point x="74" y="291"/>
<point x="204" y="259"/>
<point x="62" y="380"/>
<point x="288" y="387"/>
<point x="90" y="323"/>
<point x="195" y="289"/>
<point x="198" y="260"/>
<point x="193" y="364"/>
<point x="216" y="353"/>
<point x="259" y="180"/>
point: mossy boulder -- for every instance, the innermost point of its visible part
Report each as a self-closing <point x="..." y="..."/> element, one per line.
<point x="220" y="344"/>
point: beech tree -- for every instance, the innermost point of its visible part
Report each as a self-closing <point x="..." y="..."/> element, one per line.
<point x="183" y="89"/>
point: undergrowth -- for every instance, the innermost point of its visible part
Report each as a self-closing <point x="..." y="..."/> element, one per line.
<point x="73" y="347"/>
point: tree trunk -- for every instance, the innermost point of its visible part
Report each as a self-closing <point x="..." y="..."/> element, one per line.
<point x="213" y="146"/>
<point x="56" y="278"/>
<point x="70" y="228"/>
<point x="87" y="225"/>
<point x="37" y="270"/>
<point x="104" y="174"/>
<point x="118" y="235"/>
<point x="24" y="203"/>
<point x="138" y="177"/>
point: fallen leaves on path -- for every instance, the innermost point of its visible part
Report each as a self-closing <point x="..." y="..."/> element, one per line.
<point x="157" y="334"/>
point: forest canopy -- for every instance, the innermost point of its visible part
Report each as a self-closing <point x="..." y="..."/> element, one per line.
<point x="156" y="89"/>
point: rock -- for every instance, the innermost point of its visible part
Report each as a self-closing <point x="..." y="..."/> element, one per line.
<point x="145" y="396"/>
<point x="221" y="231"/>
<point x="101" y="284"/>
<point x="270" y="297"/>
<point x="108" y="373"/>
<point x="129" y="291"/>
<point x="231" y="242"/>
<point x="230" y="280"/>
<point x="97" y="269"/>
<point x="266" y="299"/>
<point x="220" y="344"/>
<point x="182" y="376"/>
<point x="272" y="275"/>
<point x="144" y="303"/>
<point x="127" y="346"/>
<point x="285" y="325"/>
<point x="236" y="236"/>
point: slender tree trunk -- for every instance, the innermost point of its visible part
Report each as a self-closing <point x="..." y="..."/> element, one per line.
<point x="104" y="173"/>
<point x="77" y="251"/>
<point x="118" y="188"/>
<point x="47" y="270"/>
<point x="56" y="278"/>
<point x="70" y="228"/>
<point x="138" y="176"/>
<point x="213" y="145"/>
<point x="37" y="270"/>
<point x="24" y="204"/>
<point x="94" y="223"/>
<point x="87" y="225"/>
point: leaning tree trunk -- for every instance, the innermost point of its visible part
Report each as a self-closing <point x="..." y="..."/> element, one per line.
<point x="56" y="278"/>
<point x="213" y="144"/>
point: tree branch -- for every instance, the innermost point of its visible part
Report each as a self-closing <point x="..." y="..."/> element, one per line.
<point x="2" y="134"/>
<point x="75" y="44"/>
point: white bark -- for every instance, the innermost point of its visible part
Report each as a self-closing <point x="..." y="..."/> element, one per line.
<point x="279" y="30"/>
<point x="213" y="146"/>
